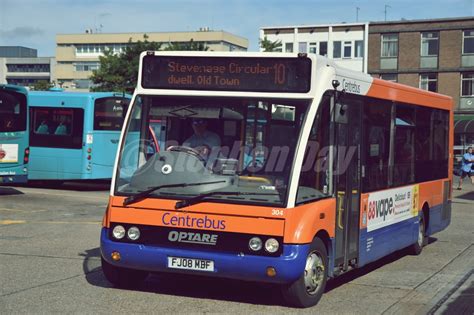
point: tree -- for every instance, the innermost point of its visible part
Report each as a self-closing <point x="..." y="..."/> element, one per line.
<point x="269" y="46"/>
<point x="119" y="72"/>
<point x="191" y="45"/>
<point x="42" y="85"/>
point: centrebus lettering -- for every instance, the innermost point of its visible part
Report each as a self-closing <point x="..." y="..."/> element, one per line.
<point x="169" y="219"/>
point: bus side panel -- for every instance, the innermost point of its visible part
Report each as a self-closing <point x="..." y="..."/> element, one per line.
<point x="388" y="222"/>
<point x="53" y="163"/>
<point x="436" y="195"/>
<point x="384" y="241"/>
<point x="104" y="149"/>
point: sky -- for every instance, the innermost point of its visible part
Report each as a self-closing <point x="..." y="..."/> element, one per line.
<point x="34" y="23"/>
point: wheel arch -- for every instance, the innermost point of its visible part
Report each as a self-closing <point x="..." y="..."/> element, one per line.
<point x="323" y="235"/>
<point x="426" y="214"/>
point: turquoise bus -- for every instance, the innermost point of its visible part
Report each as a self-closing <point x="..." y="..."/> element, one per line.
<point x="74" y="136"/>
<point x="14" y="151"/>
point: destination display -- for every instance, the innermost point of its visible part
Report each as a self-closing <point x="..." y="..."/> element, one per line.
<point x="247" y="74"/>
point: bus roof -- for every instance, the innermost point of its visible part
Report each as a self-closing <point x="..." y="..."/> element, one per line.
<point x="366" y="84"/>
<point x="66" y="94"/>
<point x="15" y="88"/>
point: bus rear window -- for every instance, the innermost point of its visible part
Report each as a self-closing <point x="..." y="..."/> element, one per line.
<point x="12" y="111"/>
<point x="109" y="113"/>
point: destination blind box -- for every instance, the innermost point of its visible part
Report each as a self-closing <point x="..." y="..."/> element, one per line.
<point x="242" y="74"/>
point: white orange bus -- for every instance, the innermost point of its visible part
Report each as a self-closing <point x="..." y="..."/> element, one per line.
<point x="316" y="170"/>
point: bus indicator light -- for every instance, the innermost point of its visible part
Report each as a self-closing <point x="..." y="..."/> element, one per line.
<point x="271" y="272"/>
<point x="115" y="256"/>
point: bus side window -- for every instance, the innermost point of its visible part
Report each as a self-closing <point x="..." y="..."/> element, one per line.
<point x="404" y="150"/>
<point x="377" y="120"/>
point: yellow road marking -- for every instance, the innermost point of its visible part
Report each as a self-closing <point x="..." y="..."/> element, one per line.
<point x="98" y="198"/>
<point x="65" y="222"/>
<point x="5" y="222"/>
<point x="18" y="210"/>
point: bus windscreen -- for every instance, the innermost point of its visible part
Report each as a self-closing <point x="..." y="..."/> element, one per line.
<point x="243" y="74"/>
<point x="109" y="113"/>
<point x="12" y="111"/>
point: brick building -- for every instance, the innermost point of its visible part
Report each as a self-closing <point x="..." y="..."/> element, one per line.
<point x="435" y="55"/>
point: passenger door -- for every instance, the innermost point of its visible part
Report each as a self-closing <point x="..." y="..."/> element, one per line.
<point x="346" y="119"/>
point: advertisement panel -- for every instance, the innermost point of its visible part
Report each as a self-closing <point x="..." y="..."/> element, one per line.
<point x="8" y="153"/>
<point x="392" y="206"/>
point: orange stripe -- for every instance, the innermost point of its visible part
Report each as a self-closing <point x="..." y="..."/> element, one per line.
<point x="407" y="94"/>
<point x="191" y="220"/>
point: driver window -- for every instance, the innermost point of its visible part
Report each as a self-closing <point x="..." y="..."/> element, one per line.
<point x="314" y="176"/>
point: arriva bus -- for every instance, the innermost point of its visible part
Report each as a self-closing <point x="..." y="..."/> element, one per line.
<point x="344" y="169"/>
<point x="14" y="151"/>
<point x="74" y="136"/>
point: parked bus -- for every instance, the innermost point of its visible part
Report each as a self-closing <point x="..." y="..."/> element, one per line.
<point x="351" y="168"/>
<point x="14" y="151"/>
<point x="74" y="136"/>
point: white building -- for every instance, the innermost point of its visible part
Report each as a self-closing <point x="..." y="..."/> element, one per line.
<point x="22" y="66"/>
<point x="346" y="43"/>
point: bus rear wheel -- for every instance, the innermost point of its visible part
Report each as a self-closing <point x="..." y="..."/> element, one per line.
<point x="308" y="289"/>
<point x="416" y="248"/>
<point x="123" y="277"/>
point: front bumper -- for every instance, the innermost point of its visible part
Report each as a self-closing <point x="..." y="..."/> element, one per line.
<point x="289" y="266"/>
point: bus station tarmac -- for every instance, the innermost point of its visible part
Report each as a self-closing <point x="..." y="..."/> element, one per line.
<point x="50" y="263"/>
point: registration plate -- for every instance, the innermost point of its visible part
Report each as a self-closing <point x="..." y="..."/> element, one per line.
<point x="190" y="264"/>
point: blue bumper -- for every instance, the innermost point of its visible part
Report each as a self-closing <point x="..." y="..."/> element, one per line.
<point x="13" y="179"/>
<point x="289" y="266"/>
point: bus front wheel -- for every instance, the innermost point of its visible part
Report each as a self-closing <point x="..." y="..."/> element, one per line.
<point x="123" y="277"/>
<point x="308" y="289"/>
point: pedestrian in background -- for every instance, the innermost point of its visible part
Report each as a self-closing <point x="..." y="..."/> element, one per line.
<point x="466" y="168"/>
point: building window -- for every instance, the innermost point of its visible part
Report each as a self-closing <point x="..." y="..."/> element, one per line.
<point x="336" y="50"/>
<point x="389" y="77"/>
<point x="468" y="42"/>
<point x="99" y="48"/>
<point x="302" y="47"/>
<point x="347" y="49"/>
<point x="313" y="48"/>
<point x="359" y="49"/>
<point x="289" y="47"/>
<point x="323" y="48"/>
<point x="467" y="84"/>
<point x="390" y="45"/>
<point x="28" y="68"/>
<point x="86" y="66"/>
<point x="429" y="44"/>
<point x="429" y="82"/>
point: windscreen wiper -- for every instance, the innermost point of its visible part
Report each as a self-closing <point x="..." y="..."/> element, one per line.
<point x="143" y="194"/>
<point x="200" y="198"/>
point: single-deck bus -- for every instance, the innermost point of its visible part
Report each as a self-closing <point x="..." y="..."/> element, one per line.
<point x="280" y="168"/>
<point x="14" y="151"/>
<point x="74" y="136"/>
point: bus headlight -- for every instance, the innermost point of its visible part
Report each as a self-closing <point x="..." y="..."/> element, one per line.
<point x="133" y="233"/>
<point x="118" y="232"/>
<point x="255" y="244"/>
<point x="271" y="245"/>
